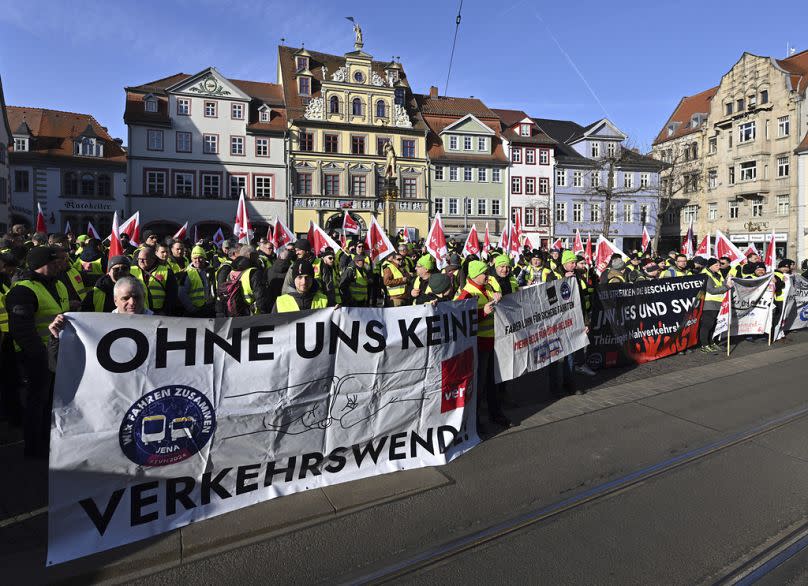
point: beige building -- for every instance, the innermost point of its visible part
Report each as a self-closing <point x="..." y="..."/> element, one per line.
<point x="731" y="151"/>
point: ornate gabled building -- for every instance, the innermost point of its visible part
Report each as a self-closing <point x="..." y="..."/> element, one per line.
<point x="195" y="142"/>
<point x="468" y="163"/>
<point x="532" y="155"/>
<point x="601" y="185"/>
<point x="5" y="184"/>
<point x="69" y="165"/>
<point x="746" y="132"/>
<point x="342" y="111"/>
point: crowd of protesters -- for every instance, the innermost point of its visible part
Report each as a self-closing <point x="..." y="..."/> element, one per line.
<point x="43" y="276"/>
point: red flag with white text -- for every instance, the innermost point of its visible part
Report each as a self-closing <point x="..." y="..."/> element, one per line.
<point x="577" y="244"/>
<point x="770" y="258"/>
<point x="131" y="228"/>
<point x="115" y="246"/>
<point x="646" y="241"/>
<point x="319" y="239"/>
<point x="376" y="241"/>
<point x="704" y="248"/>
<point x="724" y="247"/>
<point x="242" y="229"/>
<point x="436" y="242"/>
<point x="349" y="225"/>
<point x="281" y="235"/>
<point x="472" y="245"/>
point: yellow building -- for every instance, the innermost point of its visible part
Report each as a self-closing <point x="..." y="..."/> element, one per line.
<point x="342" y="110"/>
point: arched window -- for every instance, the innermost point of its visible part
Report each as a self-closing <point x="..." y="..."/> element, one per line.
<point x="87" y="185"/>
<point x="381" y="110"/>
<point x="104" y="186"/>
<point x="356" y="107"/>
<point x="71" y="183"/>
<point x="333" y="105"/>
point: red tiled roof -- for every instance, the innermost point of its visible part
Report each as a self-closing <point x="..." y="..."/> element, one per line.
<point x="689" y="105"/>
<point x="450" y="106"/>
<point x="267" y="93"/>
<point x="510" y="122"/>
<point x="797" y="65"/>
<point x="53" y="131"/>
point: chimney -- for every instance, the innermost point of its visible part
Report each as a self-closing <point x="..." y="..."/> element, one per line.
<point x="433" y="92"/>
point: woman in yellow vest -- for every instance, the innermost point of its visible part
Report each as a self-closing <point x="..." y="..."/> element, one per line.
<point x="503" y="281"/>
<point x="306" y="293"/>
<point x="714" y="295"/>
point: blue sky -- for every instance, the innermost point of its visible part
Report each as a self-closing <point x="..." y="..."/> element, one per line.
<point x="579" y="60"/>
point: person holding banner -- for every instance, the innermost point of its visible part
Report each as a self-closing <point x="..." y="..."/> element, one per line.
<point x="679" y="268"/>
<point x="782" y="273"/>
<point x="502" y="281"/>
<point x="306" y="293"/>
<point x="714" y="295"/>
<point x="477" y="287"/>
<point x="531" y="274"/>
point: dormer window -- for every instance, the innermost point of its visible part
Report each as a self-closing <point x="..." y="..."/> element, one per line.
<point x="150" y="104"/>
<point x="302" y="63"/>
<point x="524" y="129"/>
<point x="20" y="145"/>
<point x="264" y="113"/>
<point x="87" y="147"/>
<point x="304" y="83"/>
<point x="392" y="76"/>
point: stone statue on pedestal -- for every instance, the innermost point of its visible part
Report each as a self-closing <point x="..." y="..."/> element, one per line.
<point x="390" y="163"/>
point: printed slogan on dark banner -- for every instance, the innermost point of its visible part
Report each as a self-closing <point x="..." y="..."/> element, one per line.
<point x="640" y="322"/>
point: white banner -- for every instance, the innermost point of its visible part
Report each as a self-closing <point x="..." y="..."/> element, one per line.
<point x="751" y="308"/>
<point x="536" y="326"/>
<point x="795" y="306"/>
<point x="161" y="422"/>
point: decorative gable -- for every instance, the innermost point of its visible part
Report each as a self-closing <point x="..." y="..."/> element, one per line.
<point x="208" y="83"/>
<point x="469" y="124"/>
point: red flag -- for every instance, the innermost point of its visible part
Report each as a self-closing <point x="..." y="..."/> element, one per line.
<point x="604" y="251"/>
<point x="472" y="245"/>
<point x="281" y="235"/>
<point x="349" y="225"/>
<point x="514" y="247"/>
<point x="505" y="238"/>
<point x="687" y="243"/>
<point x="132" y="228"/>
<point x="40" y="220"/>
<point x="343" y="242"/>
<point x="528" y="243"/>
<point x="92" y="232"/>
<point x="377" y="242"/>
<point x="319" y="239"/>
<point x="750" y="250"/>
<point x="242" y="229"/>
<point x="724" y="247"/>
<point x="704" y="248"/>
<point x="218" y="238"/>
<point x="771" y="257"/>
<point x="486" y="241"/>
<point x="646" y="240"/>
<point x="558" y="245"/>
<point x="588" y="252"/>
<point x="436" y="242"/>
<point x="577" y="245"/>
<point x="182" y="232"/>
<point x="517" y="228"/>
<point x="115" y="246"/>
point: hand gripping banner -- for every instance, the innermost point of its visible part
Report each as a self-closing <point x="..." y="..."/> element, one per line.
<point x="162" y="422"/>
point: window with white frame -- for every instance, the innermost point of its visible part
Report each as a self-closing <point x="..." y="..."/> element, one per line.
<point x="712" y="211"/>
<point x="453" y="206"/>
<point x="183" y="140"/>
<point x="452" y="173"/>
<point x="611" y="149"/>
<point x="594" y="149"/>
<point x="612" y="212"/>
<point x="530" y="156"/>
<point x="466" y="143"/>
<point x="264" y="115"/>
<point x="577" y="212"/>
<point x="746" y="131"/>
<point x="594" y="212"/>
<point x="544" y="186"/>
<point x="530" y="217"/>
<point x="628" y="213"/>
<point x="239" y="183"/>
<point x="261" y="147"/>
<point x="496" y="207"/>
<point x="734" y="210"/>
<point x="561" y="178"/>
<point x="210" y="109"/>
<point x="211" y="185"/>
<point x="530" y="186"/>
<point x="561" y="211"/>
<point x="516" y="185"/>
<point x="183" y="184"/>
<point x="453" y="143"/>
<point x="262" y="187"/>
<point x="595" y="178"/>
<point x="524" y="129"/>
<point x="496" y="175"/>
<point x="155" y="182"/>
<point x="783" y="126"/>
<point x="469" y="205"/>
<point x="544" y="216"/>
<point x="154" y="140"/>
<point x="482" y="174"/>
<point x="782" y="205"/>
<point x="577" y="178"/>
<point x="482" y="207"/>
<point x="438" y="173"/>
<point x="359" y="186"/>
<point x="20" y="145"/>
<point x="544" y="156"/>
<point x="210" y="144"/>
<point x="150" y="105"/>
<point x="237" y="111"/>
<point x="438" y="205"/>
<point x="468" y="174"/>
<point x="782" y="166"/>
<point x="628" y="180"/>
<point x="689" y="213"/>
<point x="712" y="145"/>
<point x="757" y="207"/>
<point x="645" y="180"/>
<point x="712" y="178"/>
<point x="183" y="106"/>
<point x="482" y="143"/>
<point x="748" y="170"/>
<point x="237" y="145"/>
<point x="516" y="154"/>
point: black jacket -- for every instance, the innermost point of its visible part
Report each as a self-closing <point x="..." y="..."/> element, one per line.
<point x="257" y="282"/>
<point x="275" y="277"/>
<point x="106" y="285"/>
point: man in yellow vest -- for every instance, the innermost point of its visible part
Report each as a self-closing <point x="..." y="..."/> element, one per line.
<point x="714" y="295"/>
<point x="395" y="279"/>
<point x="679" y="268"/>
<point x="327" y="275"/>
<point x="306" y="293"/>
<point x="32" y="303"/>
<point x="10" y="402"/>
<point x="176" y="258"/>
<point x="782" y="273"/>
<point x="158" y="280"/>
<point x="503" y="281"/>
<point x="241" y="287"/>
<point x="195" y="293"/>
<point x="101" y="297"/>
<point x="531" y="273"/>
<point x="477" y="288"/>
<point x="354" y="285"/>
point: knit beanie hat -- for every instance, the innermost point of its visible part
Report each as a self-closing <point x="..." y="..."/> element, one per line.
<point x="476" y="268"/>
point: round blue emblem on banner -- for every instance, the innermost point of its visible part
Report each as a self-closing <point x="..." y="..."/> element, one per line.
<point x="166" y="426"/>
<point x="565" y="291"/>
<point x="804" y="313"/>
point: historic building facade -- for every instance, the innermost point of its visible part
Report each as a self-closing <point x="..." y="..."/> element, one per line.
<point x="746" y="131"/>
<point x="468" y="163"/>
<point x="5" y="184"/>
<point x="601" y="186"/>
<point x="530" y="182"/>
<point x="343" y="111"/>
<point x="195" y="142"/>
<point x="68" y="164"/>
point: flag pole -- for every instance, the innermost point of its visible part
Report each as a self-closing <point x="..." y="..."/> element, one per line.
<point x="729" y="322"/>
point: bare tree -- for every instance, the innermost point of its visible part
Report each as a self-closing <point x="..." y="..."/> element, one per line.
<point x="680" y="175"/>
